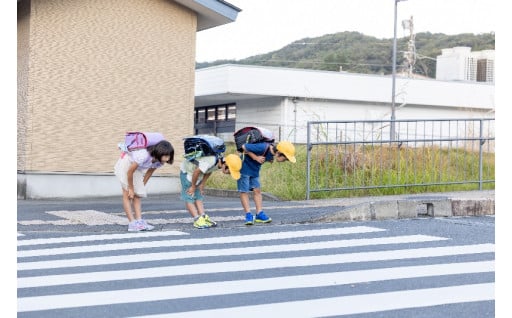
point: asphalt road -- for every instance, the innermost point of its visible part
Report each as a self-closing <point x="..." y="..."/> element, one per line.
<point x="401" y="268"/>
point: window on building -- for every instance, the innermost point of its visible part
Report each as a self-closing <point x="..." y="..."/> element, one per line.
<point x="215" y="119"/>
<point x="481" y="71"/>
<point x="221" y="113"/>
<point x="211" y="114"/>
<point x="200" y="115"/>
<point x="231" y="112"/>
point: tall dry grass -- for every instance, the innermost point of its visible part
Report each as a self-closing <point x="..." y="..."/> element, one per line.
<point x="369" y="171"/>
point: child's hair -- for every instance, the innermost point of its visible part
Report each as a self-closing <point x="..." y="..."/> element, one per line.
<point x="163" y="148"/>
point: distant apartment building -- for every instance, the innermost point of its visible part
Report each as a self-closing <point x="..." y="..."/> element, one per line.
<point x="460" y="64"/>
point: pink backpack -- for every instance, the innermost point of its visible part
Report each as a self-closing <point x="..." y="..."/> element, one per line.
<point x="135" y="140"/>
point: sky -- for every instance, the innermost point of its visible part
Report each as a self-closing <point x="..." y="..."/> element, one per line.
<point x="268" y="25"/>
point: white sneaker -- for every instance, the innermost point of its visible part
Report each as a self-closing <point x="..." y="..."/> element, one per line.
<point x="146" y="226"/>
<point x="135" y="226"/>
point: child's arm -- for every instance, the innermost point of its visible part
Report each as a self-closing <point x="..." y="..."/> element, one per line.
<point x="195" y="175"/>
<point x="148" y="174"/>
<point x="255" y="157"/>
<point x="131" y="170"/>
<point x="203" y="182"/>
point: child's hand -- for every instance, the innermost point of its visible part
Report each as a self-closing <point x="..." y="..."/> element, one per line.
<point x="191" y="190"/>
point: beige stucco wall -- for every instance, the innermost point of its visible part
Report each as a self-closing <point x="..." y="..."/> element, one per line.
<point x="96" y="69"/>
<point x="22" y="79"/>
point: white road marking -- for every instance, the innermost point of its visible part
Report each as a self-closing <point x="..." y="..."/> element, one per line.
<point x="236" y="266"/>
<point x="90" y="217"/>
<point x="121" y="221"/>
<point x="99" y="237"/>
<point x="94" y="217"/>
<point x="148" y="257"/>
<point x="351" y="305"/>
<point x="278" y="283"/>
<point x="189" y="242"/>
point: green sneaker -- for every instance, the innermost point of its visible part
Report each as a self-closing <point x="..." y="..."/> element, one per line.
<point x="201" y="223"/>
<point x="209" y="221"/>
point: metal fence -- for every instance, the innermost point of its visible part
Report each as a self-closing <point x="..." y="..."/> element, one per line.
<point x="363" y="156"/>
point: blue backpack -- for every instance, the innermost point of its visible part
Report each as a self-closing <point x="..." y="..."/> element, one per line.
<point x="203" y="145"/>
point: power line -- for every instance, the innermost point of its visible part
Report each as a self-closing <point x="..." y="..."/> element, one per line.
<point x="330" y="43"/>
<point x="320" y="62"/>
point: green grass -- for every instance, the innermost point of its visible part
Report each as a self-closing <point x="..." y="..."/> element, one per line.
<point x="371" y="166"/>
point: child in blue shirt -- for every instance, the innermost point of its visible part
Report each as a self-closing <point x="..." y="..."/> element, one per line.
<point x="255" y="155"/>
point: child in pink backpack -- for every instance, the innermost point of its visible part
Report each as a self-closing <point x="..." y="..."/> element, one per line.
<point x="133" y="169"/>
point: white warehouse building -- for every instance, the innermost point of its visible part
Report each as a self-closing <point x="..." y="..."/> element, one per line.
<point x="229" y="97"/>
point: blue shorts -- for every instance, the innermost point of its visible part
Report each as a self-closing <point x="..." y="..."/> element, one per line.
<point x="185" y="184"/>
<point x="247" y="183"/>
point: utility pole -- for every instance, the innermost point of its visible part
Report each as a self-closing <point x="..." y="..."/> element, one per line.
<point x="392" y="130"/>
<point x="410" y="54"/>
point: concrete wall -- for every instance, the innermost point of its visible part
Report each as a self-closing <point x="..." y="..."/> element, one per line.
<point x="297" y="112"/>
<point x="68" y="185"/>
<point x="288" y="117"/>
<point x="262" y="112"/>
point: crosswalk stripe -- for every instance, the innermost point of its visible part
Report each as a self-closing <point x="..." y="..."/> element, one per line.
<point x="258" y="264"/>
<point x="191" y="242"/>
<point x="89" y="217"/>
<point x="124" y="222"/>
<point x="99" y="237"/>
<point x="148" y="257"/>
<point x="246" y="286"/>
<point x="346" y="305"/>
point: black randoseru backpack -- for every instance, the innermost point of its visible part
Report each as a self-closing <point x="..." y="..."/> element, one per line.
<point x="203" y="145"/>
<point x="252" y="135"/>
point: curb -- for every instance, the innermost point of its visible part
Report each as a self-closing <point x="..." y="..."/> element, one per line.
<point x="449" y="204"/>
<point x="234" y="194"/>
<point x="412" y="208"/>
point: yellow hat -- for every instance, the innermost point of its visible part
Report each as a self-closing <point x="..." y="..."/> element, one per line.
<point x="234" y="164"/>
<point x="288" y="149"/>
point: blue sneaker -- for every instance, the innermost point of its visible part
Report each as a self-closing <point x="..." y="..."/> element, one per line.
<point x="261" y="217"/>
<point x="249" y="219"/>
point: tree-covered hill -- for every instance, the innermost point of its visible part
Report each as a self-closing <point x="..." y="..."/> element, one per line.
<point x="357" y="53"/>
